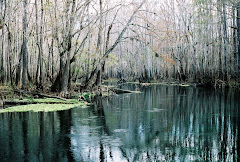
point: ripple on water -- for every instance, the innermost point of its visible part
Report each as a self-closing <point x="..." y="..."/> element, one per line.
<point x="120" y="130"/>
<point x="155" y="110"/>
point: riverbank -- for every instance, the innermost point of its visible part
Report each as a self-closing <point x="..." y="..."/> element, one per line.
<point x="213" y="84"/>
<point x="15" y="100"/>
<point x="171" y="83"/>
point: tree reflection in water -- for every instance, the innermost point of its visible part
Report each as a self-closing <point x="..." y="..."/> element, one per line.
<point x="163" y="123"/>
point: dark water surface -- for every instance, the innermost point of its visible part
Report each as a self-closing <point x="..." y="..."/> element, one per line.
<point x="165" y="123"/>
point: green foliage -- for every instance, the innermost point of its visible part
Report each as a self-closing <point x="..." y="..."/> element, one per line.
<point x="7" y="90"/>
<point x="87" y="96"/>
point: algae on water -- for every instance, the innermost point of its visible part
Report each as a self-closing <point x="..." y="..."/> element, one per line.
<point x="43" y="107"/>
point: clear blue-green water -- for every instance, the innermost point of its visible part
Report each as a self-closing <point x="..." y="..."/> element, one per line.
<point x="164" y="123"/>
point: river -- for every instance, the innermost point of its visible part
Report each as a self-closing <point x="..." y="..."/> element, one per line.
<point x="163" y="123"/>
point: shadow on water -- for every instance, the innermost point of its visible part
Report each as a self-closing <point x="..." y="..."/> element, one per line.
<point x="163" y="123"/>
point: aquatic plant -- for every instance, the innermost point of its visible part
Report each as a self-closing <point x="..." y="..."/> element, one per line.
<point x="44" y="107"/>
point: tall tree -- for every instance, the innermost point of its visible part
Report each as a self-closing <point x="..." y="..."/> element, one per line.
<point x="24" y="49"/>
<point x="225" y="35"/>
<point x="234" y="34"/>
<point x="99" y="64"/>
<point x="3" y="9"/>
<point x="39" y="74"/>
<point x="99" y="43"/>
<point x="238" y="34"/>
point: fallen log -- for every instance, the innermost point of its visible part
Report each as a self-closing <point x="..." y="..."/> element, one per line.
<point x="49" y="96"/>
<point x="39" y="94"/>
<point x="8" y="102"/>
<point x="120" y="91"/>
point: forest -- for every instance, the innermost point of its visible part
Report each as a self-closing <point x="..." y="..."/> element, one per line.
<point x="51" y="44"/>
<point x="119" y="80"/>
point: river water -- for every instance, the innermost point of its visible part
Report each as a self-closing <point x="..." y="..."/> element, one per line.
<point x="164" y="123"/>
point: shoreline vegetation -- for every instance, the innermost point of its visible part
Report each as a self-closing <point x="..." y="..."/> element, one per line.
<point x="14" y="100"/>
<point x="17" y="100"/>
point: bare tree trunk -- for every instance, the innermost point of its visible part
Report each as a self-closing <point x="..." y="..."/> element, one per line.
<point x="50" y="65"/>
<point x="9" y="57"/>
<point x="234" y="39"/>
<point x="66" y="69"/>
<point x="8" y="54"/>
<point x="88" y="50"/>
<point x="238" y="34"/>
<point x="24" y="49"/>
<point x="39" y="74"/>
<point x="2" y="23"/>
<point x="220" y="42"/>
<point x="225" y="41"/>
<point x="1" y="57"/>
<point x="37" y="40"/>
<point x="41" y="47"/>
<point x="99" y="45"/>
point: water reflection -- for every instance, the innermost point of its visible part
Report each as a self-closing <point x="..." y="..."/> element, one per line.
<point x="35" y="136"/>
<point x="163" y="123"/>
